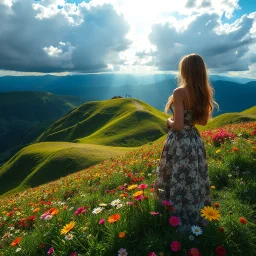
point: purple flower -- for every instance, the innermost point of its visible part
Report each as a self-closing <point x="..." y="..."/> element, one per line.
<point x="50" y="251"/>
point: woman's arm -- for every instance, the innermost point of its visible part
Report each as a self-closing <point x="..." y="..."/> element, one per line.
<point x="178" y="122"/>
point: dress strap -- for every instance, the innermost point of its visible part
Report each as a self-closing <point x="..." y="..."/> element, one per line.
<point x="188" y="98"/>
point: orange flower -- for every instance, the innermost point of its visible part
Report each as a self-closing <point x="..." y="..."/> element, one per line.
<point x="36" y="210"/>
<point x="138" y="193"/>
<point x="16" y="241"/>
<point x="114" y="218"/>
<point x="121" y="235"/>
<point x="217" y="205"/>
<point x="243" y="220"/>
<point x="54" y="212"/>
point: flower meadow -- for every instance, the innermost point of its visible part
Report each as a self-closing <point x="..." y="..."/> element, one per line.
<point x="109" y="208"/>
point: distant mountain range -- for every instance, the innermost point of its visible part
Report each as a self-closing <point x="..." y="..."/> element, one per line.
<point x="153" y="89"/>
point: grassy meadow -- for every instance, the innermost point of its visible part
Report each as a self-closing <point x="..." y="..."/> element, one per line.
<point x="109" y="208"/>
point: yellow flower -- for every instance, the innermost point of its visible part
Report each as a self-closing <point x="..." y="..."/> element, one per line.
<point x="217" y="151"/>
<point x="67" y="228"/>
<point x="213" y="187"/>
<point x="138" y="193"/>
<point x="132" y="187"/>
<point x="210" y="213"/>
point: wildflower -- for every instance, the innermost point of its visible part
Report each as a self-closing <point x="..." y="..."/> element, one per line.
<point x="102" y="205"/>
<point x="114" y="218"/>
<point x="142" y="186"/>
<point x="217" y="151"/>
<point x="138" y="193"/>
<point x="16" y="241"/>
<point x="132" y="187"/>
<point x="115" y="202"/>
<point x="220" y="251"/>
<point x="80" y="210"/>
<point x="121" y="235"/>
<point x="69" y="237"/>
<point x="138" y="198"/>
<point x="97" y="210"/>
<point x="196" y="230"/>
<point x="50" y="251"/>
<point x="175" y="246"/>
<point x="48" y="217"/>
<point x="151" y="254"/>
<point x="167" y="203"/>
<point x="119" y="206"/>
<point x="235" y="149"/>
<point x="193" y="252"/>
<point x="154" y="213"/>
<point x="210" y="213"/>
<point x="213" y="187"/>
<point x="18" y="249"/>
<point x="174" y="221"/>
<point x="216" y="205"/>
<point x="67" y="228"/>
<point x="36" y="210"/>
<point x="102" y="221"/>
<point x="122" y="252"/>
<point x="243" y="220"/>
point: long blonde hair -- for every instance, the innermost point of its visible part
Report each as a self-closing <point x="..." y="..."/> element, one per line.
<point x="193" y="74"/>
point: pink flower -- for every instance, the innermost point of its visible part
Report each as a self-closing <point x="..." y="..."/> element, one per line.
<point x="174" y="221"/>
<point x="138" y="198"/>
<point x="154" y="213"/>
<point x="102" y="221"/>
<point x="167" y="203"/>
<point x="194" y="252"/>
<point x="80" y="210"/>
<point x="130" y="203"/>
<point x="142" y="186"/>
<point x="50" y="251"/>
<point x="175" y="246"/>
<point x="151" y="254"/>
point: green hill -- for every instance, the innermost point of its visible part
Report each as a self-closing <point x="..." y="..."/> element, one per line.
<point x="115" y="122"/>
<point x="25" y="115"/>
<point x="43" y="162"/>
<point x="231" y="118"/>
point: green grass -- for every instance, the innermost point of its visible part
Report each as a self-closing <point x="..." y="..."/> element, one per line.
<point x="232" y="171"/>
<point x="115" y="122"/>
<point x="230" y="118"/>
<point x="42" y="162"/>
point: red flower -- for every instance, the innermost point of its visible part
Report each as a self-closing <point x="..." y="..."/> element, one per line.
<point x="221" y="251"/>
<point x="243" y="220"/>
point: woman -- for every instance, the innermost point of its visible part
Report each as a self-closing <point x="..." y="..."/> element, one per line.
<point x="182" y="173"/>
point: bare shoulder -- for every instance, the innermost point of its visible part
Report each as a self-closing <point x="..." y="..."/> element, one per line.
<point x="179" y="92"/>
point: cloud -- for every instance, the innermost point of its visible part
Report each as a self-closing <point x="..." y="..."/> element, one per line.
<point x="225" y="47"/>
<point x="54" y="36"/>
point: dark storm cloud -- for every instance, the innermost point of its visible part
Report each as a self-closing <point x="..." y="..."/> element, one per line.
<point x="54" y="44"/>
<point x="224" y="50"/>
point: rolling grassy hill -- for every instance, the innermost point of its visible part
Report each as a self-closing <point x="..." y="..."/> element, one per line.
<point x="115" y="122"/>
<point x="231" y="118"/>
<point x="43" y="162"/>
<point x="25" y="115"/>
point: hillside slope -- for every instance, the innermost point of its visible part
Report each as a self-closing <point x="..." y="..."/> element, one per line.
<point x="25" y="115"/>
<point x="43" y="162"/>
<point x="231" y="118"/>
<point x="115" y="122"/>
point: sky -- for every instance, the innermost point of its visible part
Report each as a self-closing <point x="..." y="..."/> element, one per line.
<point x="126" y="36"/>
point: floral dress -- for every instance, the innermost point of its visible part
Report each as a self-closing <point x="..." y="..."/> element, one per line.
<point x="182" y="174"/>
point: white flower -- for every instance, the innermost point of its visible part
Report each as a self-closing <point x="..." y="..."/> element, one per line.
<point x="119" y="206"/>
<point x="122" y="252"/>
<point x="48" y="217"/>
<point x="196" y="230"/>
<point x="97" y="210"/>
<point x="69" y="237"/>
<point x="115" y="202"/>
<point x="18" y="249"/>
